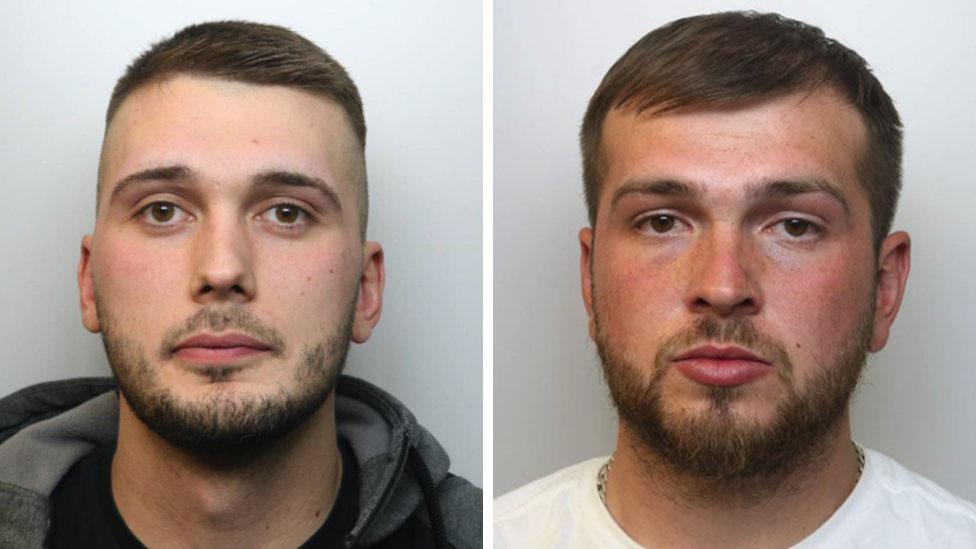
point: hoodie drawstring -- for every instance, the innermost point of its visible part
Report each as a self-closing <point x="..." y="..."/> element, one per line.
<point x="430" y="497"/>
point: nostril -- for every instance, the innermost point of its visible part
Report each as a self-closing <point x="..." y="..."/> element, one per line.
<point x="725" y="306"/>
<point x="237" y="289"/>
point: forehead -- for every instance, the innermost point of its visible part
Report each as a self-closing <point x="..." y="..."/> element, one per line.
<point x="228" y="128"/>
<point x="803" y="135"/>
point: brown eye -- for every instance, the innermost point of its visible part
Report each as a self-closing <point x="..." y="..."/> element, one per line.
<point x="163" y="215"/>
<point x="661" y="223"/>
<point x="796" y="227"/>
<point x="162" y="212"/>
<point x="287" y="214"/>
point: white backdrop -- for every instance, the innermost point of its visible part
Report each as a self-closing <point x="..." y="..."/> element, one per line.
<point x="550" y="403"/>
<point x="418" y="68"/>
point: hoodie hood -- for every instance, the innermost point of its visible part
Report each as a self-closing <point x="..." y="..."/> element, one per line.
<point x="46" y="428"/>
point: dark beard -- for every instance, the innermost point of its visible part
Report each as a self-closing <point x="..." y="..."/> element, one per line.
<point x="720" y="452"/>
<point x="227" y="423"/>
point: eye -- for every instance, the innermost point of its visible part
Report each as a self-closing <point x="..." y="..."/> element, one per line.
<point x="163" y="214"/>
<point x="798" y="228"/>
<point x="659" y="223"/>
<point x="286" y="215"/>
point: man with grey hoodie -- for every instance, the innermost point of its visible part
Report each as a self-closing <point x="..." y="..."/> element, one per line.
<point x="227" y="274"/>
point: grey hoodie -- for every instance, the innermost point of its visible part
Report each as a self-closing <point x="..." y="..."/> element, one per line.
<point x="46" y="428"/>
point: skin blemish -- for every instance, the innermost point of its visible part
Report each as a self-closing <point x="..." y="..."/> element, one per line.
<point x="319" y="512"/>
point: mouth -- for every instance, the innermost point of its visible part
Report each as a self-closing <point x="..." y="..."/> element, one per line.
<point x="722" y="366"/>
<point x="220" y="349"/>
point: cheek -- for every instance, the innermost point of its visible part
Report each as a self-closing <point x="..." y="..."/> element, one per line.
<point x="316" y="281"/>
<point x="637" y="297"/>
<point x="140" y="276"/>
<point x="820" y="310"/>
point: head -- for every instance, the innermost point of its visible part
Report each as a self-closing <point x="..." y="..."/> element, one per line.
<point x="727" y="59"/>
<point x="251" y="53"/>
<point x="741" y="173"/>
<point x="228" y="270"/>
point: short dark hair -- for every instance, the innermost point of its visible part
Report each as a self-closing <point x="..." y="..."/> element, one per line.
<point x="252" y="53"/>
<point x="731" y="57"/>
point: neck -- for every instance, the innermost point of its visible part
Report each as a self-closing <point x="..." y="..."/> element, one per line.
<point x="278" y="495"/>
<point x="658" y="506"/>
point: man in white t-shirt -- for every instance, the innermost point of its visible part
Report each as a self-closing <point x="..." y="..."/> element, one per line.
<point x="741" y="173"/>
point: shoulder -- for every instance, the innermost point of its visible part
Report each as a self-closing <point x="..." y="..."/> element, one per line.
<point x="541" y="493"/>
<point x="893" y="506"/>
<point x="912" y="494"/>
<point x="458" y="509"/>
<point x="461" y="505"/>
<point x="556" y="499"/>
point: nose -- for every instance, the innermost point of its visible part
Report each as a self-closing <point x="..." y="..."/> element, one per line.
<point x="223" y="262"/>
<point x="723" y="277"/>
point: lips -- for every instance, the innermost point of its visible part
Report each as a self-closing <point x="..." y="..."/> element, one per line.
<point x="721" y="366"/>
<point x="216" y="349"/>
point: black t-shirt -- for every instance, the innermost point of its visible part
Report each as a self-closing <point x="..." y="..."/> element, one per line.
<point x="83" y="512"/>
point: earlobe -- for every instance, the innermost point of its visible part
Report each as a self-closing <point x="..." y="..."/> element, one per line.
<point x="586" y="275"/>
<point x="894" y="262"/>
<point x="86" y="288"/>
<point x="369" y="302"/>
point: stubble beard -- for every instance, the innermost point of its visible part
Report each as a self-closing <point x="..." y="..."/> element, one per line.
<point x="720" y="452"/>
<point x="225" y="422"/>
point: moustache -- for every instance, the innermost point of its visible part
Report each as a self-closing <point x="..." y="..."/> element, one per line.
<point x="218" y="320"/>
<point x="738" y="331"/>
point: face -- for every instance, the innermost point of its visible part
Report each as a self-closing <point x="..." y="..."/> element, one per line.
<point x="226" y="271"/>
<point x="731" y="280"/>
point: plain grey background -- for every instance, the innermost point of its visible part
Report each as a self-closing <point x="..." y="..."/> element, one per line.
<point x="550" y="403"/>
<point x="418" y="68"/>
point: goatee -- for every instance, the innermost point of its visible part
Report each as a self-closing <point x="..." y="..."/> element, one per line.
<point x="226" y="422"/>
<point x="716" y="447"/>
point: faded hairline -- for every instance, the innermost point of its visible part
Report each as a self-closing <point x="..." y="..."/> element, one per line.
<point x="359" y="163"/>
<point x="723" y="58"/>
<point x="639" y="106"/>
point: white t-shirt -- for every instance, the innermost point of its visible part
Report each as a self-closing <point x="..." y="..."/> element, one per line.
<point x="890" y="507"/>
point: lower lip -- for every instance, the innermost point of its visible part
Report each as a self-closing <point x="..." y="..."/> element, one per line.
<point x="722" y="372"/>
<point x="216" y="355"/>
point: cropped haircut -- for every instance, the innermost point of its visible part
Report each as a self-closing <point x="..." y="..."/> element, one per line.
<point x="251" y="53"/>
<point x="725" y="59"/>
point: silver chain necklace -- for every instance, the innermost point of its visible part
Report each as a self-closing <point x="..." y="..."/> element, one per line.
<point x="601" y="476"/>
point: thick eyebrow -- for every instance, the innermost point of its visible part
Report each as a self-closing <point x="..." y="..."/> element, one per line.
<point x="660" y="187"/>
<point x="766" y="190"/>
<point x="163" y="173"/>
<point x="789" y="188"/>
<point x="284" y="178"/>
<point x="269" y="178"/>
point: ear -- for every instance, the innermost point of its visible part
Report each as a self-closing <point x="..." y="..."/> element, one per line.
<point x="369" y="303"/>
<point x="586" y="275"/>
<point x="894" y="262"/>
<point x="86" y="287"/>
